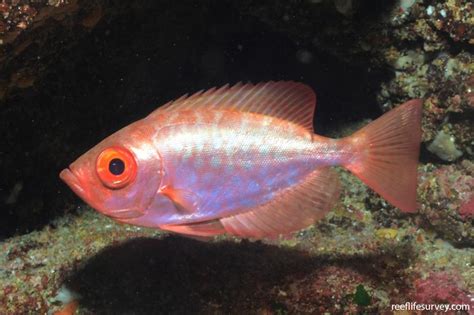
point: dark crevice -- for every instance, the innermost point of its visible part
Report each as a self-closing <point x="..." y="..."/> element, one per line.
<point x="139" y="56"/>
<point x="453" y="47"/>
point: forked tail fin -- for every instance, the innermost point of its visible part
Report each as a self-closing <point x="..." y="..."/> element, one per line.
<point x="386" y="154"/>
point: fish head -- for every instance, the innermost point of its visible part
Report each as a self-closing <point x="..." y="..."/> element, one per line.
<point x="120" y="176"/>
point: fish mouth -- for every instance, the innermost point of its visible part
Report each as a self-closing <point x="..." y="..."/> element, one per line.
<point x="72" y="180"/>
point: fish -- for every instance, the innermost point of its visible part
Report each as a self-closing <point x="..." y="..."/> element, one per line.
<point x="243" y="160"/>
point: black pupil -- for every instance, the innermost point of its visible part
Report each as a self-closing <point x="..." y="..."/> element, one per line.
<point x="116" y="166"/>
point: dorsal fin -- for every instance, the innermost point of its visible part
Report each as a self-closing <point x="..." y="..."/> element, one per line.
<point x="287" y="100"/>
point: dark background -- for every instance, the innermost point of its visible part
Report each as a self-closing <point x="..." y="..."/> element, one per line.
<point x="142" y="54"/>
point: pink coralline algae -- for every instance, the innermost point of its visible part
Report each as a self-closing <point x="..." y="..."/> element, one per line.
<point x="441" y="287"/>
<point x="467" y="210"/>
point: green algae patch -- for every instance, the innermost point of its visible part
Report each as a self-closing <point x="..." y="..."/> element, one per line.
<point x="361" y="296"/>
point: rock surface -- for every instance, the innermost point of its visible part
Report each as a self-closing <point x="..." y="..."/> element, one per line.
<point x="72" y="72"/>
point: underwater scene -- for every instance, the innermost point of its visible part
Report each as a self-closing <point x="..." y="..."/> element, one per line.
<point x="236" y="157"/>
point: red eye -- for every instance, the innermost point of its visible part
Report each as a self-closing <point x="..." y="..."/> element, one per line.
<point x="116" y="167"/>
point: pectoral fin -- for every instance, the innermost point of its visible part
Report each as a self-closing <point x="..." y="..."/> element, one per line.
<point x="184" y="200"/>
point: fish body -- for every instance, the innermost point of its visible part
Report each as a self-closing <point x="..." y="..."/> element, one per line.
<point x="242" y="160"/>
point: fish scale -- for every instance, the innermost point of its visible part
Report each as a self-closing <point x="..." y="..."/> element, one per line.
<point x="289" y="156"/>
<point x="243" y="160"/>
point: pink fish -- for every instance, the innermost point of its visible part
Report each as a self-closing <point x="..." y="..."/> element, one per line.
<point x="243" y="160"/>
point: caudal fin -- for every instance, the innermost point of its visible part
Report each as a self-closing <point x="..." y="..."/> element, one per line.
<point x="386" y="154"/>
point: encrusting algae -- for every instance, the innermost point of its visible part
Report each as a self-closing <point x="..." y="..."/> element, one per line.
<point x="364" y="256"/>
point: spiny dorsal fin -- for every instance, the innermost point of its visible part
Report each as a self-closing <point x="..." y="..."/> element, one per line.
<point x="293" y="209"/>
<point x="287" y="100"/>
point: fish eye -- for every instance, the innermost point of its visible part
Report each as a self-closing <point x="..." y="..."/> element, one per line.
<point x="116" y="167"/>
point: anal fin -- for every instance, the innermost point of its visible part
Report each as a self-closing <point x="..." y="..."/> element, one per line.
<point x="201" y="229"/>
<point x="292" y="209"/>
